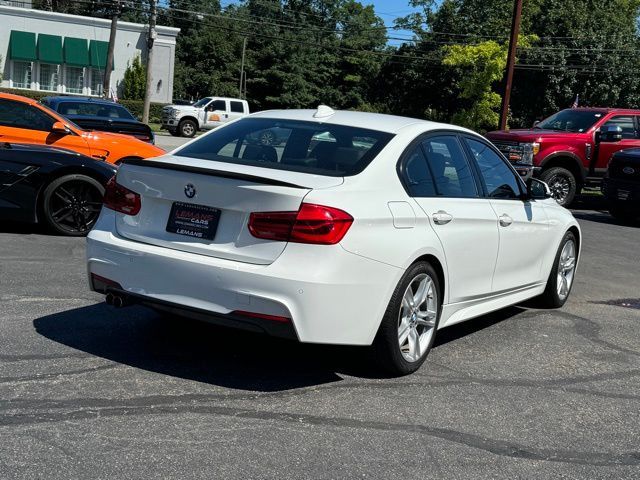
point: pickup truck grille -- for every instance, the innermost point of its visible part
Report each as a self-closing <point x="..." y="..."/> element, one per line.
<point x="506" y="147"/>
<point x="625" y="169"/>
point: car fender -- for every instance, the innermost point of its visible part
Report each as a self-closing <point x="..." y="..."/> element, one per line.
<point x="567" y="152"/>
<point x="561" y="220"/>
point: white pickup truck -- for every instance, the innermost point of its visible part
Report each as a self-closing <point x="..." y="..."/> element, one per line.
<point x="206" y="113"/>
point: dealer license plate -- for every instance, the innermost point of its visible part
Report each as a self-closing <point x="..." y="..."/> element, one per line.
<point x="197" y="221"/>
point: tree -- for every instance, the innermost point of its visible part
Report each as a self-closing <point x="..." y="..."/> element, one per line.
<point x="134" y="80"/>
<point x="483" y="65"/>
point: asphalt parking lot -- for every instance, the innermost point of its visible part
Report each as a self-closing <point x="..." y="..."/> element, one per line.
<point x="88" y="391"/>
<point x="168" y="142"/>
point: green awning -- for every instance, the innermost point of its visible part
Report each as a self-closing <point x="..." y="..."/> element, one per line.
<point x="22" y="46"/>
<point x="98" y="54"/>
<point x="76" y="52"/>
<point x="49" y="48"/>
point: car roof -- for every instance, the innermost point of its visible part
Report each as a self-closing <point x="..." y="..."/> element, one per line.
<point x="606" y="110"/>
<point x="366" y="120"/>
<point x="98" y="101"/>
<point x="18" y="98"/>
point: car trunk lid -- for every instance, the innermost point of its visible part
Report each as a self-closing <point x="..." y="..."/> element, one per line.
<point x="208" y="187"/>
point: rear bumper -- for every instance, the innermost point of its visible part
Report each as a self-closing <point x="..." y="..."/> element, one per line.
<point x="331" y="295"/>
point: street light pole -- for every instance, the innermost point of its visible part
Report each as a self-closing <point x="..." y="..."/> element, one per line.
<point x="151" y="38"/>
<point x="511" y="61"/>
<point x="244" y="49"/>
<point x="106" y="82"/>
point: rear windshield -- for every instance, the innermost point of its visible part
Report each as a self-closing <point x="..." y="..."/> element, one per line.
<point x="307" y="147"/>
<point x="90" y="109"/>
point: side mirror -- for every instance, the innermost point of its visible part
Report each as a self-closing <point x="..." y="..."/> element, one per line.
<point x="60" y="128"/>
<point x="537" y="189"/>
<point x="535" y="124"/>
<point x="610" y="133"/>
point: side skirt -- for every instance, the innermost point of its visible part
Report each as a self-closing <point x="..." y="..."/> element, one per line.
<point x="459" y="312"/>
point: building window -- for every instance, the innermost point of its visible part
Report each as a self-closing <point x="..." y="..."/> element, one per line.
<point x="97" y="80"/>
<point x="74" y="79"/>
<point x="21" y="74"/>
<point x="49" y="77"/>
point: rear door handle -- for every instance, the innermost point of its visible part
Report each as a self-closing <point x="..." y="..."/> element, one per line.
<point x="505" y="220"/>
<point x="441" y="217"/>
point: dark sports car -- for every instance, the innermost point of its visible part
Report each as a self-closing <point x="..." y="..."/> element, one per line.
<point x="59" y="188"/>
<point x="97" y="114"/>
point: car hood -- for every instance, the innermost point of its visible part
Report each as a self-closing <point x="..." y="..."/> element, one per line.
<point x="527" y="135"/>
<point x="183" y="108"/>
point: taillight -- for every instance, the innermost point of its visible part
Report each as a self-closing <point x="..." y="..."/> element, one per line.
<point x="311" y="224"/>
<point x="121" y="199"/>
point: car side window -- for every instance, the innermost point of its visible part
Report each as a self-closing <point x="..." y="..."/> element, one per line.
<point x="626" y="123"/>
<point x="417" y="176"/>
<point x="237" y="107"/>
<point x="217" y="105"/>
<point x="20" y="115"/>
<point x="499" y="179"/>
<point x="449" y="167"/>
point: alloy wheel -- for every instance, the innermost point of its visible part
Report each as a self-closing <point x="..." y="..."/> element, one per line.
<point x="417" y="317"/>
<point x="188" y="130"/>
<point x="566" y="269"/>
<point x="560" y="188"/>
<point x="74" y="206"/>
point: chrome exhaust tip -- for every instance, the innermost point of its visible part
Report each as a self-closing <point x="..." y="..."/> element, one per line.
<point x="118" y="301"/>
<point x="109" y="298"/>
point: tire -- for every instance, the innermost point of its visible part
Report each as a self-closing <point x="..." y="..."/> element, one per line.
<point x="174" y="132"/>
<point x="396" y="356"/>
<point x="562" y="183"/>
<point x="551" y="298"/>
<point x="187" y="128"/>
<point x="71" y="204"/>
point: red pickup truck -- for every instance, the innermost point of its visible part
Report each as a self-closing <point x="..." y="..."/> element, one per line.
<point x="571" y="148"/>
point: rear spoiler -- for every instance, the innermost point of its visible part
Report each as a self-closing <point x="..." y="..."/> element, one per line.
<point x="210" y="172"/>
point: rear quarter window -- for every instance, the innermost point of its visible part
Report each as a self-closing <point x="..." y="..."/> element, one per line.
<point x="307" y="147"/>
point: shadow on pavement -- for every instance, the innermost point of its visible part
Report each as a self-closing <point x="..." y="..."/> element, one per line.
<point x="20" y="227"/>
<point x="140" y="338"/>
<point x="595" y="209"/>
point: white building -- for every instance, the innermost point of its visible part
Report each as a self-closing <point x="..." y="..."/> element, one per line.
<point x="56" y="52"/>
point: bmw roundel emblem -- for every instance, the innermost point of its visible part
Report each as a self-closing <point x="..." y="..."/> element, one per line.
<point x="628" y="170"/>
<point x="189" y="190"/>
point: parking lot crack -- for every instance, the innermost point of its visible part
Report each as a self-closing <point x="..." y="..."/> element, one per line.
<point x="494" y="446"/>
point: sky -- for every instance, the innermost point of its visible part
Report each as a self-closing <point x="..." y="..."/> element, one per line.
<point x="390" y="9"/>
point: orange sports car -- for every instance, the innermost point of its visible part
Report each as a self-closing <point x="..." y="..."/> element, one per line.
<point x="23" y="120"/>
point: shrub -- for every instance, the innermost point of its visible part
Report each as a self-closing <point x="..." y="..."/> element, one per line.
<point x="134" y="81"/>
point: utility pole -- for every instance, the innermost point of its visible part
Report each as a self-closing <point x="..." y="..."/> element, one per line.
<point x="244" y="49"/>
<point x="106" y="83"/>
<point x="150" y="39"/>
<point x="511" y="61"/>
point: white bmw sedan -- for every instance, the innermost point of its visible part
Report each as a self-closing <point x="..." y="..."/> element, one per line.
<point x="335" y="227"/>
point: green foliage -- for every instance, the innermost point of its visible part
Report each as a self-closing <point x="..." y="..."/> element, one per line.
<point x="483" y="66"/>
<point x="134" y="80"/>
<point x="135" y="107"/>
<point x="304" y="52"/>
